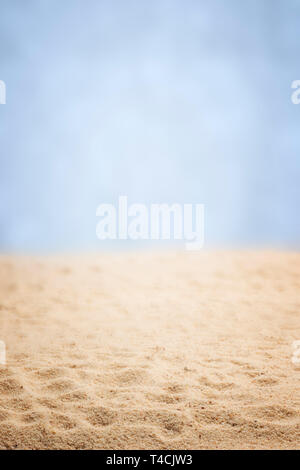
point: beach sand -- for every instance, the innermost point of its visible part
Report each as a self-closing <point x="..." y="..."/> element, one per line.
<point x="150" y="351"/>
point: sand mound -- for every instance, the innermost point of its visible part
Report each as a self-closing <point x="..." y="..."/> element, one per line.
<point x="141" y="351"/>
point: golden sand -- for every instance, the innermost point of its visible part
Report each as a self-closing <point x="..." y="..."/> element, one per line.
<point x="142" y="351"/>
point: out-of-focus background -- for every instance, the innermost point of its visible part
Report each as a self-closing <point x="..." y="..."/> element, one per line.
<point x="162" y="101"/>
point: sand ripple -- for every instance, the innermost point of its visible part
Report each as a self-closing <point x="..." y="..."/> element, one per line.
<point x="149" y="351"/>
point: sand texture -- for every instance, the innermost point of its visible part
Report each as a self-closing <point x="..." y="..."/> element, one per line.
<point x="150" y="351"/>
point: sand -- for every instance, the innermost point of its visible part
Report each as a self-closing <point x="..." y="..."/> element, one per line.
<point x="150" y="351"/>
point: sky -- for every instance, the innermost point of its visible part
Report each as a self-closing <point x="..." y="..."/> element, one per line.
<point x="165" y="101"/>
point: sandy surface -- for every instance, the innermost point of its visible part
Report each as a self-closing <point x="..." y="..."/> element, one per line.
<point x="140" y="351"/>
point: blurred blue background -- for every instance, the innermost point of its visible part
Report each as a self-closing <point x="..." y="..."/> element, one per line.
<point x="161" y="100"/>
